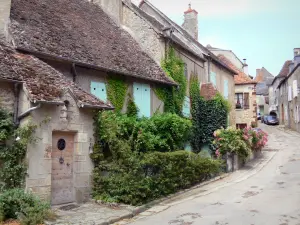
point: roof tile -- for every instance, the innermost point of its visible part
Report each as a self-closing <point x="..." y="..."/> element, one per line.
<point x="80" y="31"/>
<point x="43" y="82"/>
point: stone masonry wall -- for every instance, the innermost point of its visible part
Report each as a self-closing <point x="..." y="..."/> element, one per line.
<point x="143" y="33"/>
<point x="7" y="97"/>
<point x="249" y="115"/>
<point x="48" y="118"/>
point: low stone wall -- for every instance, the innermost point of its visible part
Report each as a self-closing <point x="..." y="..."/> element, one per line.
<point x="233" y="162"/>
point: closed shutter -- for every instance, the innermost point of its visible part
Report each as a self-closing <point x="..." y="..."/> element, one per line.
<point x="213" y="78"/>
<point x="246" y="101"/>
<point x="186" y="109"/>
<point x="99" y="90"/>
<point x="142" y="98"/>
<point x="226" y="92"/>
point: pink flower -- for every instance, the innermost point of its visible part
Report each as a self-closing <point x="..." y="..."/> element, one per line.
<point x="245" y="137"/>
<point x="218" y="153"/>
<point x="215" y="134"/>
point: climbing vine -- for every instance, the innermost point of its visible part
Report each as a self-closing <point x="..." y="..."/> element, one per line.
<point x="194" y="90"/>
<point x="132" y="109"/>
<point x="208" y="116"/>
<point x="116" y="92"/>
<point x="173" y="97"/>
<point x="13" y="146"/>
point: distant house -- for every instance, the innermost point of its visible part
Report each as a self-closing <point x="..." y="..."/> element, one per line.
<point x="264" y="79"/>
<point x="155" y="33"/>
<point x="245" y="96"/>
<point x="274" y="95"/>
<point x="65" y="53"/>
<point x="288" y="93"/>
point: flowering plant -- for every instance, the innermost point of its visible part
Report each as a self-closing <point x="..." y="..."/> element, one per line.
<point x="256" y="137"/>
<point x="231" y="140"/>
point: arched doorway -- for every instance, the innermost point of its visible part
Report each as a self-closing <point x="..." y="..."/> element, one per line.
<point x="273" y="113"/>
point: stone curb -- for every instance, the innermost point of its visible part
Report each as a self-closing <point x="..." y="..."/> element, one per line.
<point x="143" y="208"/>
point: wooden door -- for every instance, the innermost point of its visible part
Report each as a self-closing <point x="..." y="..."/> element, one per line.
<point x="142" y="98"/>
<point x="62" y="190"/>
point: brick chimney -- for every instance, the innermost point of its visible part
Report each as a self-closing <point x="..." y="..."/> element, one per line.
<point x="190" y="23"/>
<point x="5" y="6"/>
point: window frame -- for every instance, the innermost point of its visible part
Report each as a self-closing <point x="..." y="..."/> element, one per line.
<point x="243" y="105"/>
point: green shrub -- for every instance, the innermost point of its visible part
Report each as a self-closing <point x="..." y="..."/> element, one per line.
<point x="6" y="125"/>
<point x="158" y="174"/>
<point x="16" y="204"/>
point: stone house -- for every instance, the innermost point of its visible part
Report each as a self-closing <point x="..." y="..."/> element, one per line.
<point x="64" y="53"/>
<point x="264" y="79"/>
<point x="274" y="107"/>
<point x="245" y="96"/>
<point x="288" y="97"/>
<point x="155" y="33"/>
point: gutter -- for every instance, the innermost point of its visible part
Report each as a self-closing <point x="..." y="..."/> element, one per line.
<point x="27" y="112"/>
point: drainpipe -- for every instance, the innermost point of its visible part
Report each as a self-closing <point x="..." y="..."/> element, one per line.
<point x="208" y="67"/>
<point x="27" y="112"/>
<point x="74" y="72"/>
<point x="16" y="104"/>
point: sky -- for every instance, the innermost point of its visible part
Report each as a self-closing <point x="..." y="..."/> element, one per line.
<point x="265" y="32"/>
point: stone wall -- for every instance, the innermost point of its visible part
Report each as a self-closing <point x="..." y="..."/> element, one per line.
<point x="247" y="116"/>
<point x="7" y="97"/>
<point x="112" y="7"/>
<point x="5" y="6"/>
<point x="48" y="118"/>
<point x="141" y="30"/>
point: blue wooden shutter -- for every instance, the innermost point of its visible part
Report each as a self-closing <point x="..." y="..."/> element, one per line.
<point x="186" y="110"/>
<point x="213" y="78"/>
<point x="226" y="92"/>
<point x="142" y="98"/>
<point x="99" y="90"/>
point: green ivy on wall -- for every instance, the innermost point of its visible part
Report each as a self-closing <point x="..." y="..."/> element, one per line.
<point x="12" y="156"/>
<point x="208" y="116"/>
<point x="116" y="92"/>
<point x="173" y="97"/>
<point x="194" y="89"/>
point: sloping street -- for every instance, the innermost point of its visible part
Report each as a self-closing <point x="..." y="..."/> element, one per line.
<point x="266" y="192"/>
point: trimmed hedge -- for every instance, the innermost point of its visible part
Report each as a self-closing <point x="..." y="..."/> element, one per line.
<point x="153" y="175"/>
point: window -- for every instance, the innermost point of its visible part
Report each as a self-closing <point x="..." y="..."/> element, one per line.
<point x="295" y="88"/>
<point x="241" y="125"/>
<point x="99" y="90"/>
<point x="226" y="92"/>
<point x="186" y="108"/>
<point x="142" y="98"/>
<point x="290" y="97"/>
<point x="213" y="78"/>
<point x="242" y="101"/>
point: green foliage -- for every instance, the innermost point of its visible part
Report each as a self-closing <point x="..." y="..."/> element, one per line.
<point x="116" y="92"/>
<point x="156" y="174"/>
<point x="132" y="109"/>
<point x="173" y="97"/>
<point x="12" y="152"/>
<point x="194" y="87"/>
<point x="27" y="208"/>
<point x="232" y="140"/>
<point x="6" y="125"/>
<point x="208" y="116"/>
<point x="136" y="159"/>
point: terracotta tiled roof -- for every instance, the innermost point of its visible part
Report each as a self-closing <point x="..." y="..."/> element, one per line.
<point x="285" y="69"/>
<point x="208" y="91"/>
<point x="43" y="83"/>
<point x="80" y="31"/>
<point x="241" y="77"/>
